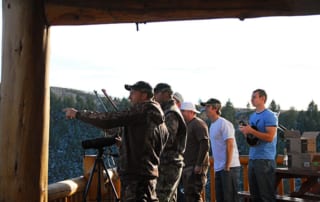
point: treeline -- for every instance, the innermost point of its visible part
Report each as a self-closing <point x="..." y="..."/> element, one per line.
<point x="66" y="136"/>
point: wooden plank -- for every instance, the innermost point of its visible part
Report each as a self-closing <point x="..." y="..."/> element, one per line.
<point x="245" y="195"/>
<point x="279" y="161"/>
<point x="81" y="12"/>
<point x="244" y="161"/>
<point x="212" y="181"/>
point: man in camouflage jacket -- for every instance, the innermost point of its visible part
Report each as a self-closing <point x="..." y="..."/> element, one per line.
<point x="142" y="142"/>
<point x="171" y="161"/>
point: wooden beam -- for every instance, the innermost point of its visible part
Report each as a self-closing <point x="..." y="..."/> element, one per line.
<point x="84" y="12"/>
<point x="24" y="103"/>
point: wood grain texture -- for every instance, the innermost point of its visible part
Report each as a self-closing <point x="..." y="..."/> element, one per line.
<point x="24" y="104"/>
<point x="84" y="12"/>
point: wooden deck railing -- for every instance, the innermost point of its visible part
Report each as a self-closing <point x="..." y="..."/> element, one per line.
<point x="72" y="190"/>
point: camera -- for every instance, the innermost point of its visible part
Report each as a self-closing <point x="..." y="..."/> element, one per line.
<point x="251" y="139"/>
<point x="98" y="142"/>
<point x="242" y="123"/>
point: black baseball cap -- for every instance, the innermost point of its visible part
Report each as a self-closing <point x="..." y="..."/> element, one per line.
<point x="140" y="86"/>
<point x="163" y="87"/>
<point x="211" y="101"/>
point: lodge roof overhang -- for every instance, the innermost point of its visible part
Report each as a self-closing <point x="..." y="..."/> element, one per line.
<point x="86" y="12"/>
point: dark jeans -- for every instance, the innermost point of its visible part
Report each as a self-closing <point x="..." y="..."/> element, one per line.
<point x="226" y="185"/>
<point x="262" y="180"/>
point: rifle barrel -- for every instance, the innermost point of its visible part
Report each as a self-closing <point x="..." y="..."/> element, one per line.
<point x="104" y="107"/>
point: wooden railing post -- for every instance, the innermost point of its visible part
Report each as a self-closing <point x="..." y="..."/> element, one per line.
<point x="25" y="102"/>
<point x="212" y="185"/>
<point x="117" y="185"/>
<point x="292" y="185"/>
<point x="244" y="161"/>
<point x="279" y="161"/>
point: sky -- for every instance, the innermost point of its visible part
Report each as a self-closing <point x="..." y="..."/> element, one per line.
<point x="221" y="58"/>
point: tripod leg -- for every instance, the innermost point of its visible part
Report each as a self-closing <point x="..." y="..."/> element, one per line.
<point x="85" y="193"/>
<point x="99" y="180"/>
<point x="110" y="180"/>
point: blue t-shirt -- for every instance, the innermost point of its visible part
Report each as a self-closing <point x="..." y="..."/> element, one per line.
<point x="264" y="150"/>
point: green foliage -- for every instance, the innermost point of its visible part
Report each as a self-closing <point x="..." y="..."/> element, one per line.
<point x="274" y="107"/>
<point x="228" y="112"/>
<point x="289" y="119"/>
<point x="66" y="136"/>
<point x="248" y="105"/>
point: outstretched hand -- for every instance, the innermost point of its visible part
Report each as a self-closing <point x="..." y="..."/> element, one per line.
<point x="70" y="113"/>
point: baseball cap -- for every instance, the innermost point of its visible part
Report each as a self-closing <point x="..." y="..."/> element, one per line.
<point x="163" y="87"/>
<point x="178" y="97"/>
<point x="140" y="86"/>
<point x="211" y="101"/>
<point x="189" y="106"/>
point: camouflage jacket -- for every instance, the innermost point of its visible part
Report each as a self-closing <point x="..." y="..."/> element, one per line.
<point x="176" y="144"/>
<point x="144" y="137"/>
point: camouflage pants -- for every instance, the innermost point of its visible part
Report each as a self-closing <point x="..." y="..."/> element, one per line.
<point x="142" y="190"/>
<point x="168" y="181"/>
<point x="193" y="184"/>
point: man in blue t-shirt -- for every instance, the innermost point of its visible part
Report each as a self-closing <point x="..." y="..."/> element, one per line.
<point x="262" y="125"/>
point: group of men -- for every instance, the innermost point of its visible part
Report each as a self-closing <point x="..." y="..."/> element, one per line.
<point x="165" y="143"/>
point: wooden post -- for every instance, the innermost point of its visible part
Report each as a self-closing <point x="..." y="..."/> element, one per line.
<point x="292" y="185"/>
<point x="117" y="185"/>
<point x="244" y="161"/>
<point x="24" y="104"/>
<point x="212" y="184"/>
<point x="279" y="161"/>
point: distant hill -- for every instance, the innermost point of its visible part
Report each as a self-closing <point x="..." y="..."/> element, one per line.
<point x="66" y="136"/>
<point x="61" y="92"/>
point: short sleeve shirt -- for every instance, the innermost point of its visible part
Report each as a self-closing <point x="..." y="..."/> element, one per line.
<point x="220" y="131"/>
<point x="264" y="150"/>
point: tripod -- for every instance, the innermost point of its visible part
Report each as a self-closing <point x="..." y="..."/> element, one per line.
<point x="99" y="162"/>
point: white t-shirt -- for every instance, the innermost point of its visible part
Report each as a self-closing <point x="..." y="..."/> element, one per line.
<point x="220" y="131"/>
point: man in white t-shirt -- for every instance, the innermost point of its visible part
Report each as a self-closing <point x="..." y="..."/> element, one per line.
<point x="225" y="153"/>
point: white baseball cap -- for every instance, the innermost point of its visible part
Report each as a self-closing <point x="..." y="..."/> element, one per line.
<point x="189" y="106"/>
